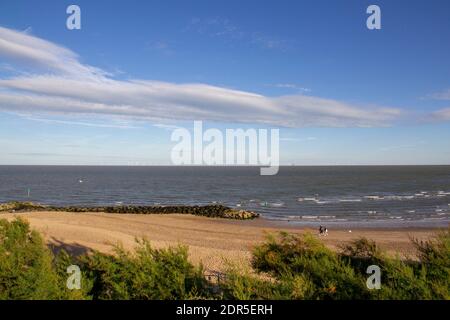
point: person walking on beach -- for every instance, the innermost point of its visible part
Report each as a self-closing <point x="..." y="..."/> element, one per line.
<point x="323" y="231"/>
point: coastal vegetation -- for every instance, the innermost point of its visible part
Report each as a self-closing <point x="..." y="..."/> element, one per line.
<point x="285" y="266"/>
<point x="213" y="211"/>
<point x="304" y="268"/>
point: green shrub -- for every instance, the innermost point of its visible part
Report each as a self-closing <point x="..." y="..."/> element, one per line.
<point x="242" y="285"/>
<point x="25" y="264"/>
<point x="435" y="256"/>
<point x="427" y="277"/>
<point x="146" y="274"/>
<point x="61" y="262"/>
<point x="29" y="270"/>
<point x="250" y="287"/>
<point x="315" y="272"/>
<point x="287" y="267"/>
<point x="306" y="260"/>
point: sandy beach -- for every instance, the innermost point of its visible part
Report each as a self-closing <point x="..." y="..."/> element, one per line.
<point x="213" y="242"/>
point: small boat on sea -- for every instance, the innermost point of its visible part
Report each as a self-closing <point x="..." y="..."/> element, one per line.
<point x="373" y="197"/>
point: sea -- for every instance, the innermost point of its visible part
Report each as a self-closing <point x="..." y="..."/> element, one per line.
<point x="345" y="196"/>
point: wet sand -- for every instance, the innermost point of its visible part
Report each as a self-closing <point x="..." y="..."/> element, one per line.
<point x="213" y="242"/>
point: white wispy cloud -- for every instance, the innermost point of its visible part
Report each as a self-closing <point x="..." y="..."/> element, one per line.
<point x="44" y="55"/>
<point x="168" y="127"/>
<point x="57" y="82"/>
<point x="163" y="47"/>
<point x="443" y="114"/>
<point x="292" y="86"/>
<point x="225" y="28"/>
<point x="443" y="95"/>
<point x="82" y="123"/>
<point x="299" y="139"/>
<point x="215" y="27"/>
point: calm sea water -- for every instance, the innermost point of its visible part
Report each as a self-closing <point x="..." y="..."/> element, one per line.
<point x="366" y="195"/>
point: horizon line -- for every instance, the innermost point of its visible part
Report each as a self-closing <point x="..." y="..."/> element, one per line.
<point x="224" y="166"/>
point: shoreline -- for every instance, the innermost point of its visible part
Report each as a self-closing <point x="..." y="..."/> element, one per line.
<point x="214" y="242"/>
<point x="215" y="210"/>
<point x="264" y="222"/>
<point x="363" y="224"/>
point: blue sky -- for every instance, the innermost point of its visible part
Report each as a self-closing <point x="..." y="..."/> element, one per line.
<point x="111" y="92"/>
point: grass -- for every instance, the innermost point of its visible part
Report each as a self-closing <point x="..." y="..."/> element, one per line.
<point x="285" y="266"/>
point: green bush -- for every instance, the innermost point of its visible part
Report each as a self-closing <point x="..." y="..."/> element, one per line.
<point x="61" y="261"/>
<point x="285" y="266"/>
<point x="26" y="270"/>
<point x="251" y="287"/>
<point x="305" y="260"/>
<point x="313" y="271"/>
<point x="29" y="270"/>
<point x="146" y="274"/>
<point x="435" y="256"/>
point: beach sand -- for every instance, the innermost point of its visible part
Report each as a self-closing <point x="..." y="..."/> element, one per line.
<point x="213" y="242"/>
